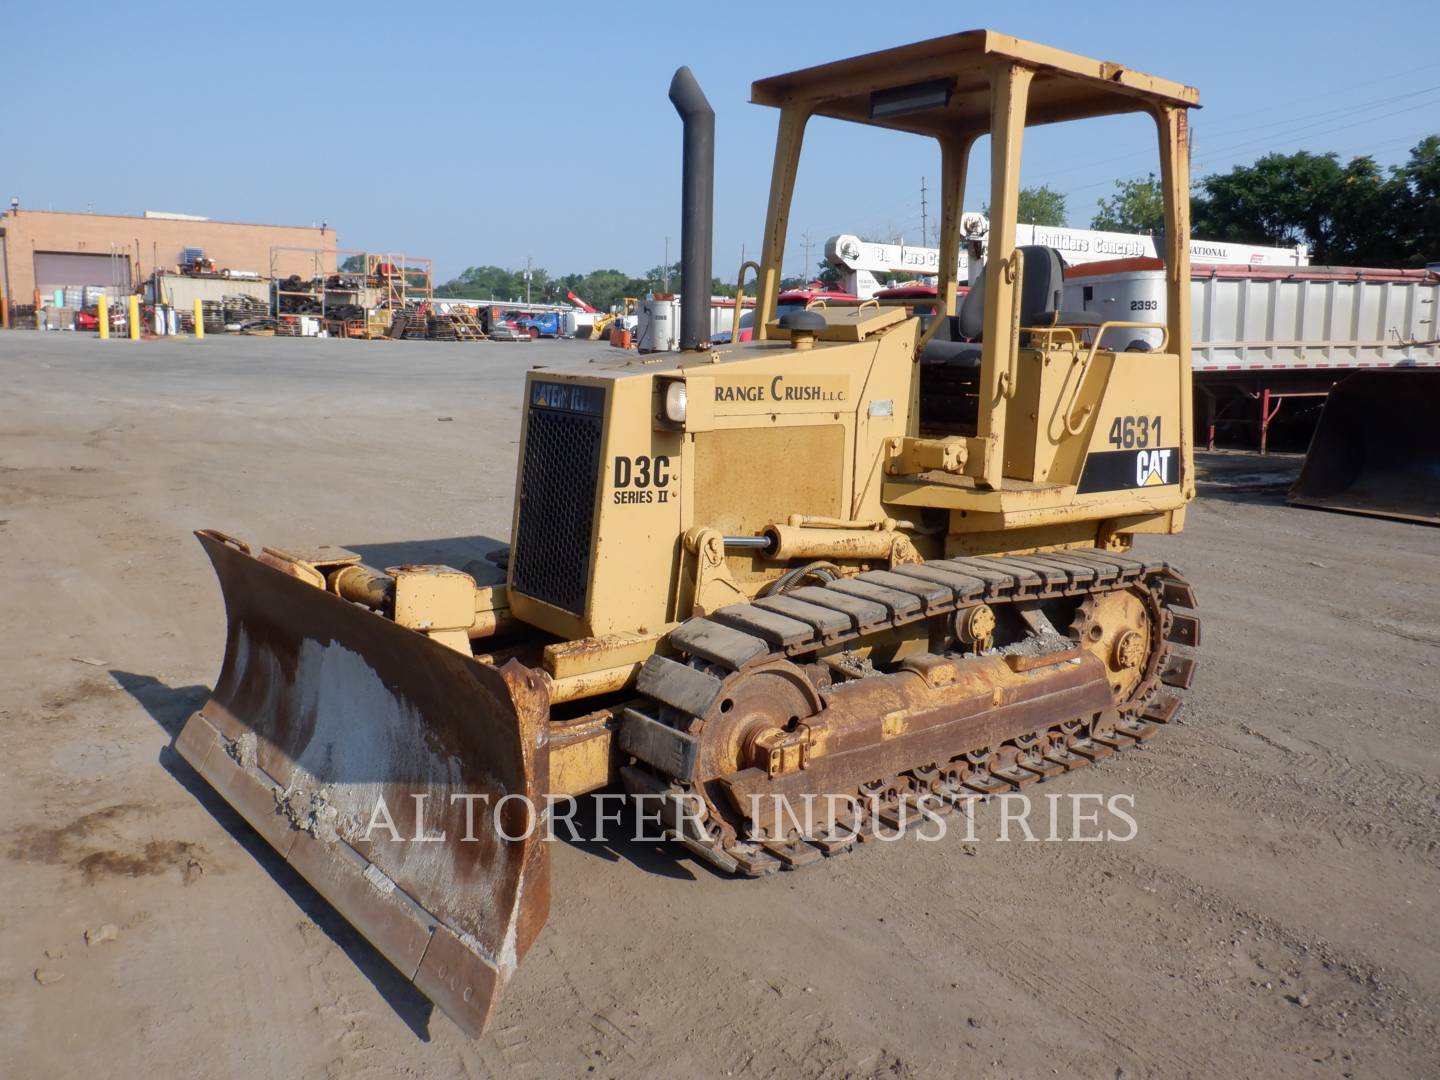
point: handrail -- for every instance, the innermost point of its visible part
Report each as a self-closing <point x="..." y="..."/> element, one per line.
<point x="1162" y="327"/>
<point x="1073" y="344"/>
<point x="1090" y="356"/>
<point x="1014" y="269"/>
<point x="740" y="298"/>
<point x="929" y="333"/>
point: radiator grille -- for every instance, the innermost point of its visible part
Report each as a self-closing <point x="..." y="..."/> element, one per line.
<point x="550" y="560"/>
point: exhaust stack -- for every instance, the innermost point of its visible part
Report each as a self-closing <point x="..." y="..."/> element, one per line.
<point x="697" y="208"/>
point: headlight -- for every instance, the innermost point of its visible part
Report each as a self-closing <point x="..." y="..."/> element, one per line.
<point x="675" y="402"/>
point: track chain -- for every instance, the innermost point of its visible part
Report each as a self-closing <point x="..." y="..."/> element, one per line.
<point x="808" y="620"/>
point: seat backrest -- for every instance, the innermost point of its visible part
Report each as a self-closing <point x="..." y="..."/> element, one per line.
<point x="1044" y="284"/>
<point x="1043" y="287"/>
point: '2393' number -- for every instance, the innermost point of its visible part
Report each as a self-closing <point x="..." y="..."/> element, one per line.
<point x="1132" y="432"/>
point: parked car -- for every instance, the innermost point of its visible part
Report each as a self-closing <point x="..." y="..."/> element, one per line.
<point x="542" y="324"/>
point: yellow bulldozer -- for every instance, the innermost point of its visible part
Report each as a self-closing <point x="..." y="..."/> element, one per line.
<point x="861" y="561"/>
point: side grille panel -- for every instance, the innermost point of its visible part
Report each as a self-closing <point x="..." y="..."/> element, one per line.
<point x="550" y="557"/>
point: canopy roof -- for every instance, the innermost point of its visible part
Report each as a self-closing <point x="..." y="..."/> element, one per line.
<point x="1065" y="86"/>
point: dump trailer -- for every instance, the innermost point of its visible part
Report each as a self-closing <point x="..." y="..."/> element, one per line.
<point x="748" y="579"/>
<point x="1263" y="335"/>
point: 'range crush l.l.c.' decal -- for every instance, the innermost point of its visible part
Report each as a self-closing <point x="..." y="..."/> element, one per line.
<point x="782" y="389"/>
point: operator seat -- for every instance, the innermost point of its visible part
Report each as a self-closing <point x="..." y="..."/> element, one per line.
<point x="955" y="343"/>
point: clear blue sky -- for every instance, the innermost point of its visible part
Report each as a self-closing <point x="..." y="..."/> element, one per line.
<point x="478" y="134"/>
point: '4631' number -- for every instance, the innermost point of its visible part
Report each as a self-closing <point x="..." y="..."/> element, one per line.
<point x="1135" y="432"/>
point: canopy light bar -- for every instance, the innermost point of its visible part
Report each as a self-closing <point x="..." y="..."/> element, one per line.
<point x="904" y="100"/>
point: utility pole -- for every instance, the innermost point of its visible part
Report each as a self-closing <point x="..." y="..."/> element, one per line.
<point x="805" y="240"/>
<point x="665" y="268"/>
<point x="527" y="279"/>
<point x="924" y="227"/>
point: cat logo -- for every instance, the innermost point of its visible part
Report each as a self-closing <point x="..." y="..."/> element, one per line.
<point x="1152" y="467"/>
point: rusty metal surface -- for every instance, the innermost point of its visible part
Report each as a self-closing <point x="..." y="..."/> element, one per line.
<point x="930" y="723"/>
<point x="321" y="710"/>
<point x="953" y="723"/>
<point x="1374" y="450"/>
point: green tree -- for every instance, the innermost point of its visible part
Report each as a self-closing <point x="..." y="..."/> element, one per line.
<point x="1280" y="199"/>
<point x="1345" y="213"/>
<point x="1138" y="206"/>
<point x="1365" y="216"/>
<point x="671" y="279"/>
<point x="485" y="283"/>
<point x="353" y="264"/>
<point x="1417" y="205"/>
<point x="604" y="289"/>
<point x="1038" y="206"/>
<point x="537" y="289"/>
<point x="662" y="279"/>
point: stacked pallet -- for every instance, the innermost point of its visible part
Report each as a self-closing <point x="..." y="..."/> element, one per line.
<point x="244" y="304"/>
<point x="409" y="324"/>
<point x="466" y="326"/>
<point x="440" y="328"/>
<point x="212" y="316"/>
<point x="233" y="313"/>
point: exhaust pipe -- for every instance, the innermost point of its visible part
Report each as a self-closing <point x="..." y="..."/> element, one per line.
<point x="697" y="208"/>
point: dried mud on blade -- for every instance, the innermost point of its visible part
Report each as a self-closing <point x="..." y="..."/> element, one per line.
<point x="321" y="710"/>
<point x="1374" y="450"/>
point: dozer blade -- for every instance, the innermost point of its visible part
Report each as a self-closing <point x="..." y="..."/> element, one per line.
<point x="1374" y="450"/>
<point x="322" y="710"/>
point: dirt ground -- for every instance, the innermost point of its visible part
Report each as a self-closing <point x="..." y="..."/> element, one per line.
<point x="1275" y="915"/>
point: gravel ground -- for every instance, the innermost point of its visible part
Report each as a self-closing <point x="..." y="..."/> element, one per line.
<point x="1274" y="915"/>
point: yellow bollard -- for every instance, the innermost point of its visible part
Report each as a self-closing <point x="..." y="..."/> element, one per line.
<point x="199" y="321"/>
<point x="134" y="317"/>
<point x="102" y="316"/>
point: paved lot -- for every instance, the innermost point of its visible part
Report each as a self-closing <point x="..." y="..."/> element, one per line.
<point x="1276" y="914"/>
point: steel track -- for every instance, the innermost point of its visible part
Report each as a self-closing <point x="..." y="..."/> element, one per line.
<point x="806" y="622"/>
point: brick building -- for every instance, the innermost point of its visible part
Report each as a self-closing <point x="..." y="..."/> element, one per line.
<point x="43" y="250"/>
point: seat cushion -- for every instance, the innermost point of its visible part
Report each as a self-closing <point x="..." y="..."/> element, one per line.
<point x="962" y="354"/>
